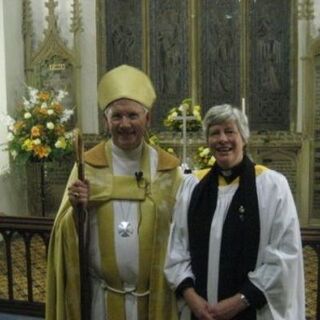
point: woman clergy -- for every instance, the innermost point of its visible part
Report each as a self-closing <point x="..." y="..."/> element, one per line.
<point x="237" y="253"/>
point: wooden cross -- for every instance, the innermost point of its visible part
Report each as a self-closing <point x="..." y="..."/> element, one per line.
<point x="184" y="119"/>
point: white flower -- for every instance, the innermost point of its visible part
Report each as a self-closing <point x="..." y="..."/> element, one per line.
<point x="69" y="135"/>
<point x="14" y="154"/>
<point x="50" y="112"/>
<point x="27" y="115"/>
<point x="26" y="103"/>
<point x="67" y="113"/>
<point x="44" y="105"/>
<point x="61" y="95"/>
<point x="183" y="106"/>
<point x="50" y="125"/>
<point x="10" y="136"/>
<point x="7" y="120"/>
<point x="36" y="141"/>
<point x="33" y="93"/>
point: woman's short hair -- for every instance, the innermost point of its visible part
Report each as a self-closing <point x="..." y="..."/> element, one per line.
<point x="226" y="112"/>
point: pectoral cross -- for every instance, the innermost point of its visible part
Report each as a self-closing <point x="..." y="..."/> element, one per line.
<point x="184" y="119"/>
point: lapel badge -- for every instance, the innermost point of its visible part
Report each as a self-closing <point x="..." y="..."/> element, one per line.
<point x="242" y="211"/>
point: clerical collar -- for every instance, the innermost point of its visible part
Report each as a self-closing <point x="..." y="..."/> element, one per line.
<point x="134" y="154"/>
<point x="231" y="174"/>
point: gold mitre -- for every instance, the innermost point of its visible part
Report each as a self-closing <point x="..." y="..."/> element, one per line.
<point x="126" y="82"/>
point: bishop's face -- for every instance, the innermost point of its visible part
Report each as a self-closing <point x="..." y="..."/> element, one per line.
<point x="226" y="143"/>
<point x="127" y="122"/>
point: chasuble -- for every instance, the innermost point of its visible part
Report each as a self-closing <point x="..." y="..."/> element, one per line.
<point x="129" y="219"/>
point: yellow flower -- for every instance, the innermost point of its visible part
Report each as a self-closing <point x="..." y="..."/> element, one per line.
<point x="42" y="151"/>
<point x="173" y="115"/>
<point x="186" y="108"/>
<point x="57" y="107"/>
<point x="197" y="108"/>
<point x="154" y="140"/>
<point x="211" y="161"/>
<point x="44" y="95"/>
<point x="42" y="111"/>
<point x="18" y="126"/>
<point x="27" y="115"/>
<point x="36" y="131"/>
<point x="204" y="152"/>
<point x="203" y="158"/>
<point x="27" y="145"/>
<point x="61" y="143"/>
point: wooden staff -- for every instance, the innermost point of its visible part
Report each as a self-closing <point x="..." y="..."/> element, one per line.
<point x="83" y="234"/>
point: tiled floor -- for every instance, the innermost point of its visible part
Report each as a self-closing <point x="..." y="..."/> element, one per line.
<point x="5" y="316"/>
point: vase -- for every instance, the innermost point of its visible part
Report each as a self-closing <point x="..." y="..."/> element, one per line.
<point x="35" y="181"/>
<point x="46" y="181"/>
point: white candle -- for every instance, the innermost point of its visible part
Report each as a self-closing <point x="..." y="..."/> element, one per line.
<point x="243" y="105"/>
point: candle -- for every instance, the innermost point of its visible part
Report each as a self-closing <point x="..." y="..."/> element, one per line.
<point x="243" y="105"/>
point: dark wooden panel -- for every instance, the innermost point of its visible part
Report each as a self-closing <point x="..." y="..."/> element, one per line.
<point x="123" y="33"/>
<point x="169" y="54"/>
<point x="270" y="65"/>
<point x="220" y="52"/>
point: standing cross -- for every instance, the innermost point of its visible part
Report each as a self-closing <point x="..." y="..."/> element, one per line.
<point x="184" y="119"/>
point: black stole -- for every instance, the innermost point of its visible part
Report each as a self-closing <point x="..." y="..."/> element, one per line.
<point x="241" y="231"/>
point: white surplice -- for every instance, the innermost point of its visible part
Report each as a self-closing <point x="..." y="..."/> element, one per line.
<point x="279" y="268"/>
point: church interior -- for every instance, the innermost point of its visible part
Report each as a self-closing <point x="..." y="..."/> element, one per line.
<point x="262" y="56"/>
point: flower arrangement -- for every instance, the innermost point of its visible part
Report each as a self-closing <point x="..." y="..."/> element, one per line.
<point x="174" y="122"/>
<point x="203" y="158"/>
<point x="39" y="130"/>
<point x="154" y="140"/>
